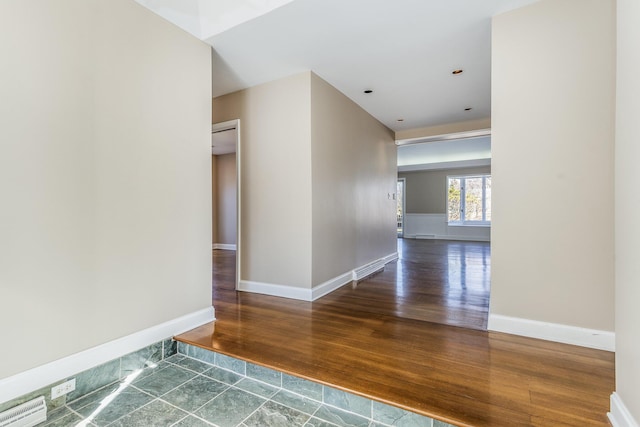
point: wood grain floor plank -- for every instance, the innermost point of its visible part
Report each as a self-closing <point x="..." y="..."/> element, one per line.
<point x="389" y="340"/>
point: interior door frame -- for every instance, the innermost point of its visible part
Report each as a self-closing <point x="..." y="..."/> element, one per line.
<point x="219" y="127"/>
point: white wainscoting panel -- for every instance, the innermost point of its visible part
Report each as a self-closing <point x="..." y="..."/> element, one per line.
<point x="434" y="226"/>
<point x="424" y="225"/>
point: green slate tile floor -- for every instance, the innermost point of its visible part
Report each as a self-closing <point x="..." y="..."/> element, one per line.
<point x="182" y="391"/>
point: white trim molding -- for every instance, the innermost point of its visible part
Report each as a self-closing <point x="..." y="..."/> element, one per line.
<point x="224" y="246"/>
<point x="390" y="258"/>
<point x="41" y="376"/>
<point x="447" y="237"/>
<point x="445" y="137"/>
<point x="274" y="289"/>
<point x="346" y="278"/>
<point x="222" y="126"/>
<point x="318" y="291"/>
<point x="592" y="338"/>
<point x="458" y="164"/>
<point x="435" y="226"/>
<point x="619" y="416"/>
<point x="331" y="285"/>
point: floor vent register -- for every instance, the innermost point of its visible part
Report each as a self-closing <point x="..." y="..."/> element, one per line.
<point x="28" y="414"/>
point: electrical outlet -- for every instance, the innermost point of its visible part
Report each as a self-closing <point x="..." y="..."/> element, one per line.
<point x="62" y="389"/>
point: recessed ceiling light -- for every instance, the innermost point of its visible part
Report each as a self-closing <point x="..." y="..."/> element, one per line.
<point x="458" y="71"/>
<point x="467" y="109"/>
<point x="368" y="91"/>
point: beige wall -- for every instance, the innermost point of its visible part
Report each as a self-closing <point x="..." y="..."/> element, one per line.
<point x="276" y="183"/>
<point x="214" y="200"/>
<point x="426" y="191"/>
<point x="552" y="163"/>
<point x="628" y="207"/>
<point x="225" y="193"/>
<point x="105" y="219"/>
<point x="316" y="170"/>
<point x="353" y="169"/>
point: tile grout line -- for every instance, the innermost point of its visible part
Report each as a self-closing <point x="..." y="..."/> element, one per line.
<point x="322" y="402"/>
<point x="201" y="375"/>
<point x="256" y="410"/>
<point x="129" y="413"/>
<point x="180" y="420"/>
<point x="228" y="387"/>
<point x="189" y="413"/>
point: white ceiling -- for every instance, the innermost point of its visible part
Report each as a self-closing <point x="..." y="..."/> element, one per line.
<point x="404" y="50"/>
<point x="206" y="18"/>
<point x="445" y="154"/>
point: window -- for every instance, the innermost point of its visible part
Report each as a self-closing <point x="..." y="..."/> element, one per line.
<point x="469" y="200"/>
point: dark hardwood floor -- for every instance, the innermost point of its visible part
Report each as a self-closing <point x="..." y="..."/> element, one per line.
<point x="437" y="281"/>
<point x="357" y="340"/>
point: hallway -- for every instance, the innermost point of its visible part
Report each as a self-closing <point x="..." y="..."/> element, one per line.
<point x="437" y="281"/>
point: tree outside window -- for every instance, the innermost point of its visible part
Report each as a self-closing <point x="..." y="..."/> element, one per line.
<point x="469" y="200"/>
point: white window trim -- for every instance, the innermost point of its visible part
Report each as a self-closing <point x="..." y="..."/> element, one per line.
<point x="462" y="222"/>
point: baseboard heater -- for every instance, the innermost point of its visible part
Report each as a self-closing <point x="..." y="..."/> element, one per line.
<point x="28" y="414"/>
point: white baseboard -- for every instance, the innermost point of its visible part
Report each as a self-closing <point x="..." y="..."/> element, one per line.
<point x="305" y="294"/>
<point x="331" y="285"/>
<point x="273" y="289"/>
<point x="465" y="238"/>
<point x="619" y="416"/>
<point x="41" y="376"/>
<point x="447" y="237"/>
<point x="224" y="246"/>
<point x="390" y="258"/>
<point x="592" y="338"/>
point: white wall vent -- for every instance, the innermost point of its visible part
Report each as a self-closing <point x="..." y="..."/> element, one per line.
<point x="26" y="415"/>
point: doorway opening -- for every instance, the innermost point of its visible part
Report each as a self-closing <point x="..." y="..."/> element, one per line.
<point x="444" y="240"/>
<point x="226" y="190"/>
